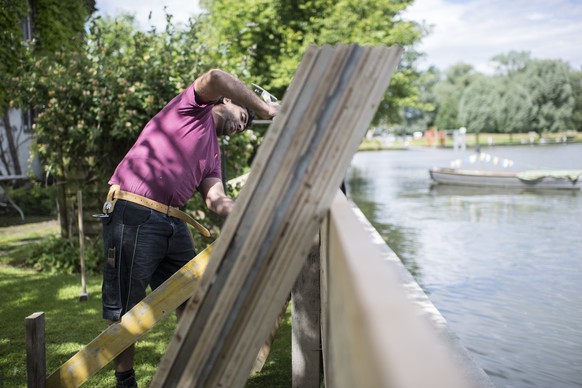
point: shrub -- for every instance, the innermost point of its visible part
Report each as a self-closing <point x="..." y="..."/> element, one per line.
<point x="33" y="199"/>
<point x="57" y="254"/>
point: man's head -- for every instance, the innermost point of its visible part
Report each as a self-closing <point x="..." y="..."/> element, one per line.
<point x="231" y="118"/>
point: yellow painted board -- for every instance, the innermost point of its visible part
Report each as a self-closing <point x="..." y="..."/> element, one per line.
<point x="135" y="323"/>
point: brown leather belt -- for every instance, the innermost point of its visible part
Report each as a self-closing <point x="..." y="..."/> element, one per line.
<point x="116" y="193"/>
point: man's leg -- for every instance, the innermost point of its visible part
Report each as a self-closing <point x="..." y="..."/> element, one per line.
<point x="124" y="373"/>
<point x="135" y="244"/>
<point x="180" y="252"/>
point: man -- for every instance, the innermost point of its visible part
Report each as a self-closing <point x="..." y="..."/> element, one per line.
<point x="145" y="237"/>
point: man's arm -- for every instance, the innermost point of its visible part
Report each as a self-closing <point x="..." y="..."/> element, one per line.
<point x="216" y="83"/>
<point x="216" y="200"/>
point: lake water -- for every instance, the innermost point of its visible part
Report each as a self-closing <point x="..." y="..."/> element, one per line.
<point x="503" y="267"/>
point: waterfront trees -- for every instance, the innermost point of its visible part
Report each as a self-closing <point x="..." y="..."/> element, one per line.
<point x="523" y="95"/>
<point x="548" y="86"/>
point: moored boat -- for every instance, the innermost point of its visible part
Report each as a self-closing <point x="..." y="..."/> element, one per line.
<point x="533" y="179"/>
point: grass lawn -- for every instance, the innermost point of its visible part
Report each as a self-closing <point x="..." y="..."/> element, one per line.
<point x="70" y="324"/>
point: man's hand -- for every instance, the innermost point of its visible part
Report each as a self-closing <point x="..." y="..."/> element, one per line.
<point x="274" y="108"/>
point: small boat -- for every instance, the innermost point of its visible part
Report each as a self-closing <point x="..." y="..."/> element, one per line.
<point x="534" y="179"/>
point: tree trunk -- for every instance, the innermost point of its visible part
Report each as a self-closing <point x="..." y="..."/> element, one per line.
<point x="11" y="145"/>
<point x="62" y="208"/>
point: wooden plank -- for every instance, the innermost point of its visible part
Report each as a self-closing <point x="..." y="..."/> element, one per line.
<point x="312" y="113"/>
<point x="299" y="136"/>
<point x="324" y="296"/>
<point x="282" y="276"/>
<point x="35" y="350"/>
<point x="265" y="241"/>
<point x="256" y="210"/>
<point x="305" y="337"/>
<point x="378" y="338"/>
<point x="305" y="213"/>
<point x="185" y="337"/>
<point x="135" y="323"/>
<point x="84" y="296"/>
<point x="266" y="348"/>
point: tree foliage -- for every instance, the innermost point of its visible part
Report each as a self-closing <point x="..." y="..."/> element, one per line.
<point x="514" y="109"/>
<point x="524" y="94"/>
<point x="55" y="25"/>
<point x="12" y="12"/>
<point x="266" y="39"/>
<point x="576" y="83"/>
<point x="59" y="24"/>
<point x="94" y="101"/>
<point x="477" y="108"/>
<point x="448" y="93"/>
<point x="549" y="87"/>
<point x="512" y="63"/>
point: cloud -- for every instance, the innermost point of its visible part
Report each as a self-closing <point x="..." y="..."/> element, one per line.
<point x="181" y="10"/>
<point x="474" y="31"/>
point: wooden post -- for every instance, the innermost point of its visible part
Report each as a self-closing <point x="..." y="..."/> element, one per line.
<point x="84" y="294"/>
<point x="306" y="335"/>
<point x="35" y="350"/>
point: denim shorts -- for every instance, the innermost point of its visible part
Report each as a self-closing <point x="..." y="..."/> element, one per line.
<point x="142" y="247"/>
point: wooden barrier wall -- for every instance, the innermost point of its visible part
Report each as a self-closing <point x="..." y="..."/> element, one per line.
<point x="378" y="328"/>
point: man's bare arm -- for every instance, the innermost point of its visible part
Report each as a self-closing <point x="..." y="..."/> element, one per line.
<point x="216" y="83"/>
<point x="215" y="198"/>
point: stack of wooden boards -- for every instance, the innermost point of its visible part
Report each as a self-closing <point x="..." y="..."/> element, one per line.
<point x="265" y="241"/>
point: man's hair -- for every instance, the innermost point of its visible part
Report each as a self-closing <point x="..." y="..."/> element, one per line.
<point x="250" y="114"/>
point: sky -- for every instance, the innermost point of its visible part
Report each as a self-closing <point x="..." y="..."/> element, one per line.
<point x="468" y="31"/>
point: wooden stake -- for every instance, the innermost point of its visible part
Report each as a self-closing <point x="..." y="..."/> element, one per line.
<point x="84" y="294"/>
<point x="35" y="350"/>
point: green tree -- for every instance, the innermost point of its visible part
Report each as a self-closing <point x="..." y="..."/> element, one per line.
<point x="55" y="25"/>
<point x="548" y="85"/>
<point x="477" y="108"/>
<point x="448" y="93"/>
<point x="512" y="63"/>
<point x="514" y="109"/>
<point x="12" y="12"/>
<point x="576" y="83"/>
<point x="59" y="25"/>
<point x="266" y="39"/>
<point x="423" y="114"/>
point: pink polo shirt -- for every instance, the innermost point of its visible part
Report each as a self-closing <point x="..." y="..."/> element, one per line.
<point x="174" y="153"/>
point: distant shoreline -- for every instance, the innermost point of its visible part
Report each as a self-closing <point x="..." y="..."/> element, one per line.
<point x="485" y="140"/>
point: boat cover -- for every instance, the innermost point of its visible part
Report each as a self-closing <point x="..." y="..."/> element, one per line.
<point x="534" y="175"/>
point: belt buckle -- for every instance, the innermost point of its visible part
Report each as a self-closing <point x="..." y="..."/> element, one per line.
<point x="111" y="199"/>
<point x="108" y="207"/>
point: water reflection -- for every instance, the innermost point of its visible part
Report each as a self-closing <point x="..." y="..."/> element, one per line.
<point x="398" y="238"/>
